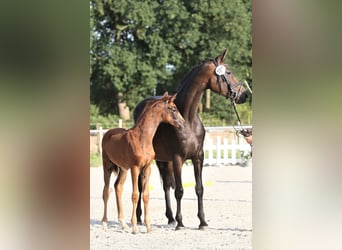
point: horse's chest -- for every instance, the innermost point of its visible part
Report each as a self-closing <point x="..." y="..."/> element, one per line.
<point x="143" y="155"/>
<point x="188" y="144"/>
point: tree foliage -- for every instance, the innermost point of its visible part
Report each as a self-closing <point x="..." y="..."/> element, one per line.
<point x="140" y="48"/>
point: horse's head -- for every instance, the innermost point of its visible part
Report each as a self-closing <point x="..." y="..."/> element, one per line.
<point x="223" y="81"/>
<point x="170" y="113"/>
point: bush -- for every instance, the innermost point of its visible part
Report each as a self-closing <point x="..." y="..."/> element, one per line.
<point x="109" y="121"/>
<point x="95" y="160"/>
<point x="221" y="114"/>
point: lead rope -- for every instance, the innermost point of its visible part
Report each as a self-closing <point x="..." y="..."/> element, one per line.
<point x="239" y="121"/>
<point x="237" y="115"/>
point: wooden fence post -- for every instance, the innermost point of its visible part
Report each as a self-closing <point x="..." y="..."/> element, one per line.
<point x="99" y="138"/>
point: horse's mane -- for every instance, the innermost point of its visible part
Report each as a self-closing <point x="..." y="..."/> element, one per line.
<point x="190" y="72"/>
<point x="149" y="105"/>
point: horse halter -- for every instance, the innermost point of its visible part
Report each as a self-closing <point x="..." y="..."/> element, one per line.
<point x="222" y="78"/>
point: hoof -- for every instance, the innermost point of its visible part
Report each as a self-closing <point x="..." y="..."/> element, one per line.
<point x="148" y="229"/>
<point x="124" y="227"/>
<point x="171" y="222"/>
<point x="180" y="227"/>
<point x="135" y="231"/>
<point x="104" y="226"/>
<point x="203" y="225"/>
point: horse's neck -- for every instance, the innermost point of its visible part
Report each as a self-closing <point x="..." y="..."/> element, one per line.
<point x="146" y="127"/>
<point x="189" y="98"/>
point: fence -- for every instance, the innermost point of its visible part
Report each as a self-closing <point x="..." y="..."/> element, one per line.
<point x="222" y="153"/>
<point x="221" y="146"/>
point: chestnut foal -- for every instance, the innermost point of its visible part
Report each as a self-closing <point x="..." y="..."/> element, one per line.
<point x="132" y="149"/>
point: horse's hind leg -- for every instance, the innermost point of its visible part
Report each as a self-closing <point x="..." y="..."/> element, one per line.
<point x="146" y="197"/>
<point x="135" y="196"/>
<point x="139" y="211"/>
<point x="107" y="171"/>
<point x="118" y="193"/>
<point x="166" y="173"/>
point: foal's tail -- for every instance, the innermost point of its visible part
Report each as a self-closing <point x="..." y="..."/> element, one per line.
<point x="109" y="165"/>
<point x="115" y="169"/>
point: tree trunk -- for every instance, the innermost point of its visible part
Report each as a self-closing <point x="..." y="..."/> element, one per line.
<point x="123" y="108"/>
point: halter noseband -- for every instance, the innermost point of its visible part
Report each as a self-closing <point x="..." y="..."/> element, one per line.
<point x="231" y="93"/>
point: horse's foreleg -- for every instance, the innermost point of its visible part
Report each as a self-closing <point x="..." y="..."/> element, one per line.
<point x="135" y="196"/>
<point x="119" y="183"/>
<point x="166" y="172"/>
<point x="177" y="170"/>
<point x="107" y="171"/>
<point x="198" y="166"/>
<point x="146" y="197"/>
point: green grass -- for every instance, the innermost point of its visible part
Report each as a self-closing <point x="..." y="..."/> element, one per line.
<point x="95" y="160"/>
<point x="237" y="154"/>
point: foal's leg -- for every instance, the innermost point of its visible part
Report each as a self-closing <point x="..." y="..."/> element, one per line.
<point x="118" y="193"/>
<point x="177" y="170"/>
<point x="107" y="171"/>
<point x="166" y="172"/>
<point x="146" y="197"/>
<point x="198" y="165"/>
<point x="135" y="196"/>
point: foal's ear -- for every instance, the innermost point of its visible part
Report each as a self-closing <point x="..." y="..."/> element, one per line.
<point x="173" y="97"/>
<point x="221" y="57"/>
<point x="165" y="97"/>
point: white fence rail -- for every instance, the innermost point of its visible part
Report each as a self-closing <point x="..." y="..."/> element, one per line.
<point x="222" y="153"/>
<point x="218" y="150"/>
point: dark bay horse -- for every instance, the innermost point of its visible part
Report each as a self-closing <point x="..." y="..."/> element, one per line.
<point x="132" y="149"/>
<point x="173" y="146"/>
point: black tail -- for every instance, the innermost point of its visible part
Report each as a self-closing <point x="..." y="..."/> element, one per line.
<point x="166" y="174"/>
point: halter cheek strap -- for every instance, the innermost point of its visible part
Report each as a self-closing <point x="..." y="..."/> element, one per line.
<point x="221" y="77"/>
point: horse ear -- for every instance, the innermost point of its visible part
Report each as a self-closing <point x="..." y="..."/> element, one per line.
<point x="173" y="97"/>
<point x="221" y="57"/>
<point x="165" y="97"/>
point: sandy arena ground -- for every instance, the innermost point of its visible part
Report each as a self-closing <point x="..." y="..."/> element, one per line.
<point x="227" y="207"/>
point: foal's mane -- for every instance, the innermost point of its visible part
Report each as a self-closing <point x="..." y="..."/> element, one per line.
<point x="147" y="108"/>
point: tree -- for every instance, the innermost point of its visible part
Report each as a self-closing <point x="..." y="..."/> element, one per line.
<point x="139" y="48"/>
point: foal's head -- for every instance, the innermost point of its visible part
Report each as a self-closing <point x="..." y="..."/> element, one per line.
<point x="168" y="110"/>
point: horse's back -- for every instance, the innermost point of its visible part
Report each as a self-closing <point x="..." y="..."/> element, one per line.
<point x="112" y="132"/>
<point x="112" y="140"/>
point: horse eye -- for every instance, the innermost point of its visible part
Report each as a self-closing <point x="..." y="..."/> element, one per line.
<point x="228" y="72"/>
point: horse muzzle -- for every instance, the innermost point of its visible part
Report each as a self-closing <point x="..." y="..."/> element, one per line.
<point x="241" y="98"/>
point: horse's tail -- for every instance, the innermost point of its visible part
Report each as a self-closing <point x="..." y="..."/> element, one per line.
<point x="107" y="163"/>
<point x="116" y="169"/>
<point x="166" y="174"/>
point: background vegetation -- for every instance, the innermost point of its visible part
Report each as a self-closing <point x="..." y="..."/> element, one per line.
<point x="142" y="48"/>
